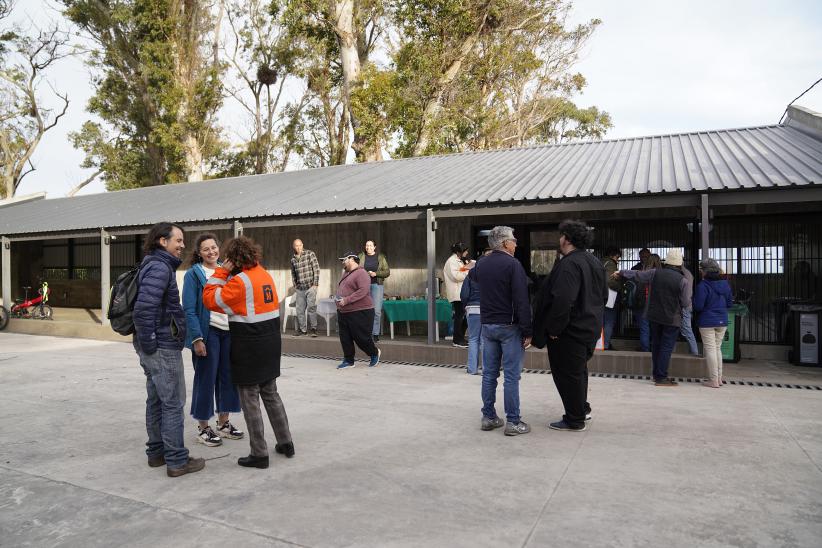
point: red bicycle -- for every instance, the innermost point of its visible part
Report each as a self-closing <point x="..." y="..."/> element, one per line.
<point x="35" y="309"/>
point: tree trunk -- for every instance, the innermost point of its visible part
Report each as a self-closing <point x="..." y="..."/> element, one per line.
<point x="343" y="17"/>
<point x="188" y="67"/>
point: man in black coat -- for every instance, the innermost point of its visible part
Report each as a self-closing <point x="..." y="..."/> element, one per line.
<point x="159" y="336"/>
<point x="568" y="318"/>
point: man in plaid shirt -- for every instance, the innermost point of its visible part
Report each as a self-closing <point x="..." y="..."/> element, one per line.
<point x="305" y="272"/>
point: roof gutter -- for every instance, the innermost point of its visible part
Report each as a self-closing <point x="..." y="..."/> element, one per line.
<point x="17" y="200"/>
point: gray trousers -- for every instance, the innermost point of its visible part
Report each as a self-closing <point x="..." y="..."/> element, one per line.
<point x="306" y="298"/>
<point x="250" y="396"/>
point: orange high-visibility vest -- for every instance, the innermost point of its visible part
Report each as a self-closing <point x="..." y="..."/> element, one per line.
<point x="248" y="297"/>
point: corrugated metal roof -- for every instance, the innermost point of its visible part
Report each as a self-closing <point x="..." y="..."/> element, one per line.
<point x="748" y="158"/>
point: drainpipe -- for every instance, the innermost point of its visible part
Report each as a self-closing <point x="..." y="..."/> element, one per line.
<point x="105" y="274"/>
<point x="705" y="229"/>
<point x="431" y="249"/>
<point x="5" y="262"/>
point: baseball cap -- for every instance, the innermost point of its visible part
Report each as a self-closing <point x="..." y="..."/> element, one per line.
<point x="351" y="254"/>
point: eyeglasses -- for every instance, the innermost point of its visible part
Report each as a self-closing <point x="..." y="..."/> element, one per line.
<point x="511" y="240"/>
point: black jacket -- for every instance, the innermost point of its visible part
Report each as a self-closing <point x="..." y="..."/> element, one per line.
<point x="503" y="291"/>
<point x="571" y="301"/>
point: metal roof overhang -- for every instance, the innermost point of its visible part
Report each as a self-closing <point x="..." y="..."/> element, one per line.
<point x="798" y="194"/>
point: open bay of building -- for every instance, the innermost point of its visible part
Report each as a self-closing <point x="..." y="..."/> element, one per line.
<point x="393" y="456"/>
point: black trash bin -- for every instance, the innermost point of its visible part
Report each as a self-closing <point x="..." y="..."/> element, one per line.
<point x="806" y="321"/>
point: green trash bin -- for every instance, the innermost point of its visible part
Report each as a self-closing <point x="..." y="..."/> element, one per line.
<point x="730" y="344"/>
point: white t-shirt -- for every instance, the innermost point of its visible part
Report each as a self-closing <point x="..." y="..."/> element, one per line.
<point x="218" y="319"/>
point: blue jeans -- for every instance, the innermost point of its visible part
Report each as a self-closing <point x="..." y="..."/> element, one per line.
<point x="212" y="378"/>
<point x="644" y="332"/>
<point x="687" y="331"/>
<point x="306" y="299"/>
<point x="501" y="347"/>
<point x="166" y="390"/>
<point x="663" y="340"/>
<point x="377" y="292"/>
<point x="474" y="342"/>
<point x="609" y="321"/>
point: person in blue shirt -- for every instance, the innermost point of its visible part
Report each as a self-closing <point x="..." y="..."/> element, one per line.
<point x="210" y="345"/>
<point x="470" y="297"/>
<point x="712" y="299"/>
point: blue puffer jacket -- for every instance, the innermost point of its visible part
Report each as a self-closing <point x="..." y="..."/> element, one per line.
<point x="470" y="292"/>
<point x="711" y="301"/>
<point x="197" y="315"/>
<point x="159" y="320"/>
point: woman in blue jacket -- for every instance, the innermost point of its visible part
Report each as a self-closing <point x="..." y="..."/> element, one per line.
<point x="210" y="344"/>
<point x="711" y="301"/>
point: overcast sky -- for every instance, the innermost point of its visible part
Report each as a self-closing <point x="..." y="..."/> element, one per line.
<point x="656" y="66"/>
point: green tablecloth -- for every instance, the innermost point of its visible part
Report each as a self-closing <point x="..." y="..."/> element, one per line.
<point x="415" y="310"/>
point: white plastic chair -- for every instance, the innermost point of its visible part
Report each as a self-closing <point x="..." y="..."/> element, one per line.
<point x="289" y="309"/>
<point x="327" y="308"/>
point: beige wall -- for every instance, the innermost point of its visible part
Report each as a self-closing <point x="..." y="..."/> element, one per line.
<point x="403" y="243"/>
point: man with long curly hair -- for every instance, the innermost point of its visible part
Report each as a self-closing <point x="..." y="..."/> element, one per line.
<point x="243" y="290"/>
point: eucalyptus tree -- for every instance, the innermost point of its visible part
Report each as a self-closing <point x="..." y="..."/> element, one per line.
<point x="157" y="89"/>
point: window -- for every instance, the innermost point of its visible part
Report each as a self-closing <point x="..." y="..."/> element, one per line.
<point x="630" y="256"/>
<point x="725" y="256"/>
<point x="544" y="245"/>
<point x="763" y="260"/>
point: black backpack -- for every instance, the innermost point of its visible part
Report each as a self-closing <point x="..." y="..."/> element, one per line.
<point x="633" y="294"/>
<point x="121" y="301"/>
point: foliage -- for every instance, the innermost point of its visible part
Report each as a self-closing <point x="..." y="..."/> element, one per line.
<point x="261" y="60"/>
<point x="478" y="75"/>
<point x="157" y="90"/>
<point x="25" y="58"/>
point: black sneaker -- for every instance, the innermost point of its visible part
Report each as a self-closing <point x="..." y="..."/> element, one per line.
<point x="228" y="430"/>
<point x="253" y="462"/>
<point x="376" y="338"/>
<point x="207" y="437"/>
<point x="460" y="345"/>
<point x="299" y="333"/>
<point x="314" y="333"/>
<point x="565" y="427"/>
<point x="286" y="449"/>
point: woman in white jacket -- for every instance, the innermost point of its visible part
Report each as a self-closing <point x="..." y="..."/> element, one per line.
<point x="454" y="272"/>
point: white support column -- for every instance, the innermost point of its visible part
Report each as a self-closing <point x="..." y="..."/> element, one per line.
<point x="5" y="261"/>
<point x="105" y="273"/>
<point x="705" y="226"/>
<point x="238" y="228"/>
<point x="431" y="249"/>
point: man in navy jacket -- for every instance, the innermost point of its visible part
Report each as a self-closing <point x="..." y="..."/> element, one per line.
<point x="505" y="314"/>
<point x="159" y="336"/>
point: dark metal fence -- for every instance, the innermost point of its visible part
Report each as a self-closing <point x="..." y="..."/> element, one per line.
<point x="771" y="262"/>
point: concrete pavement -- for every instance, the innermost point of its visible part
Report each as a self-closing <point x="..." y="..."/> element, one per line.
<point x="393" y="456"/>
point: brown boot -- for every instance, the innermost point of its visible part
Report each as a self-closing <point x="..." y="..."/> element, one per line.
<point x="154" y="462"/>
<point x="193" y="465"/>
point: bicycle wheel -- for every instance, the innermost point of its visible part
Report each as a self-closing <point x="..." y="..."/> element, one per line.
<point x="4" y="318"/>
<point x="43" y="312"/>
